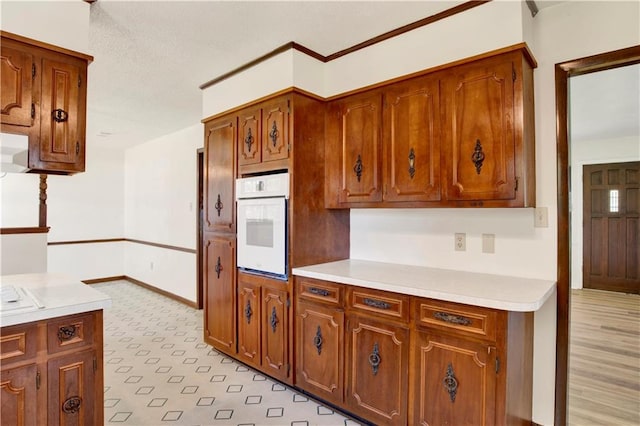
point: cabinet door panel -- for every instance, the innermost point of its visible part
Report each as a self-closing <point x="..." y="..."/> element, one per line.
<point x="220" y="173"/>
<point x="412" y="141"/>
<point x="249" y="126"/>
<point x="249" y="308"/>
<point x="479" y="121"/>
<point x="275" y="130"/>
<point x="72" y="389"/>
<point x="18" y="395"/>
<point x="16" y="99"/>
<point x="61" y="114"/>
<point x="358" y="134"/>
<point x="275" y="334"/>
<point x="320" y="339"/>
<point x="455" y="381"/>
<point x="377" y="367"/>
<point x="220" y="292"/>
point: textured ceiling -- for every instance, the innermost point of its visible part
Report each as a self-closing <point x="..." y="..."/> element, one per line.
<point x="151" y="56"/>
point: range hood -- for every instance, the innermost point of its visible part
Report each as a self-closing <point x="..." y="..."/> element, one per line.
<point x="14" y="152"/>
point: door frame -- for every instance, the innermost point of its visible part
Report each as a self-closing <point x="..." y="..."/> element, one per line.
<point x="563" y="71"/>
<point x="200" y="228"/>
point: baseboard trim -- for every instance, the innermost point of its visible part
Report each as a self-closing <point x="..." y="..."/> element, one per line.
<point x="104" y="280"/>
<point x="142" y="284"/>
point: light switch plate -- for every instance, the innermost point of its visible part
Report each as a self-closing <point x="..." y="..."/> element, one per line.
<point x="541" y="217"/>
<point x="488" y="243"/>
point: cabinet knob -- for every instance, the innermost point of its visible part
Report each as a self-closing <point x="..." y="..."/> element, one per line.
<point x="218" y="267"/>
<point x="357" y="168"/>
<point x="317" y="340"/>
<point x="59" y="115"/>
<point x="248" y="312"/>
<point x="450" y="383"/>
<point x="67" y="332"/>
<point x="478" y="156"/>
<point x="412" y="163"/>
<point x="72" y="405"/>
<point x="273" y="134"/>
<point x="273" y="320"/>
<point x="249" y="140"/>
<point x="374" y="359"/>
<point x="218" y="206"/>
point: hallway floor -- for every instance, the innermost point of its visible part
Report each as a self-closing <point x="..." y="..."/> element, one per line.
<point x="158" y="371"/>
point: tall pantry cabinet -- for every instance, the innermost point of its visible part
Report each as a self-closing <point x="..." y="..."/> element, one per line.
<point x="219" y="234"/>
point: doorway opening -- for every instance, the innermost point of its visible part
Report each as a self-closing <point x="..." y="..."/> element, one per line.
<point x="563" y="71"/>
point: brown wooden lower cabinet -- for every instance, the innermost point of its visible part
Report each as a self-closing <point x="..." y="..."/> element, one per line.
<point x="263" y="325"/>
<point x="411" y="360"/>
<point x="455" y="381"/>
<point x="220" y="291"/>
<point x="52" y="372"/>
<point x="377" y="369"/>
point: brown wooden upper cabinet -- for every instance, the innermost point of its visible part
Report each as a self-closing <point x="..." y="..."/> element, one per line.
<point x="462" y="136"/>
<point x="354" y="151"/>
<point x="263" y="134"/>
<point x="220" y="152"/>
<point x="44" y="96"/>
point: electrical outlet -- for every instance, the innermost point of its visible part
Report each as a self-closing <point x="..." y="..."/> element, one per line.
<point x="488" y="243"/>
<point x="541" y="217"/>
<point x="460" y="242"/>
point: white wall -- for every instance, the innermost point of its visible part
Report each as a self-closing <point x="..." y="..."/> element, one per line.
<point x="161" y="207"/>
<point x="88" y="206"/>
<point x="34" y="19"/>
<point x="23" y="253"/>
<point x="592" y="152"/>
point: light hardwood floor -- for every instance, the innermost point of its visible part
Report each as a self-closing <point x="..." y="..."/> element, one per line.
<point x="604" y="363"/>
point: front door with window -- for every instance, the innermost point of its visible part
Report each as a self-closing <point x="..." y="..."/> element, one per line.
<point x="612" y="227"/>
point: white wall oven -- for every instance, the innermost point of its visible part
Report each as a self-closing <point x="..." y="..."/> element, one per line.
<point x="262" y="224"/>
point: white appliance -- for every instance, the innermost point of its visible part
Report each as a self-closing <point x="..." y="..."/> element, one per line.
<point x="262" y="224"/>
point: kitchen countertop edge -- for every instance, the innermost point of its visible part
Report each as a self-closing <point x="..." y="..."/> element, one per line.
<point x="502" y="292"/>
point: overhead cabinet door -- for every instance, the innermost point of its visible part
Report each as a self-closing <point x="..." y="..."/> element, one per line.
<point x="16" y="69"/>
<point x="61" y="129"/>
<point x="412" y="141"/>
<point x="479" y="131"/>
<point x="353" y="135"/>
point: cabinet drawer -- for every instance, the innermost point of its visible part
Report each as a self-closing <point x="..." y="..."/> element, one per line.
<point x="18" y="343"/>
<point x="469" y="320"/>
<point x="319" y="291"/>
<point x="70" y="333"/>
<point x="386" y="304"/>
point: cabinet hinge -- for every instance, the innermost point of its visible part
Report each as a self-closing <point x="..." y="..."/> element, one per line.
<point x="497" y="365"/>
<point x="79" y="81"/>
<point x="95" y="365"/>
<point x="38" y="380"/>
<point x="33" y="111"/>
<point x="288" y="303"/>
<point x="513" y="74"/>
<point x="289" y="147"/>
<point x="517" y="182"/>
<point x="288" y="106"/>
<point x="33" y="70"/>
<point x="288" y="369"/>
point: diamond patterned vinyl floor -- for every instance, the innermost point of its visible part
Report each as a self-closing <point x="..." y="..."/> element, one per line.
<point x="158" y="371"/>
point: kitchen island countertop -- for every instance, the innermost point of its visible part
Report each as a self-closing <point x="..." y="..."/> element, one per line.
<point x="48" y="295"/>
<point x="507" y="293"/>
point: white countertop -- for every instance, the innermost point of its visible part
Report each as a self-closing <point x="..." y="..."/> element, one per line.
<point x="48" y="296"/>
<point x="492" y="291"/>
